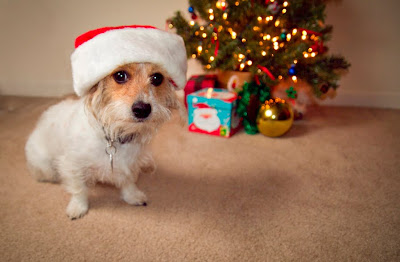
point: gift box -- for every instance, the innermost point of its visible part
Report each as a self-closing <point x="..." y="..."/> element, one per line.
<point x="213" y="111"/>
<point x="198" y="82"/>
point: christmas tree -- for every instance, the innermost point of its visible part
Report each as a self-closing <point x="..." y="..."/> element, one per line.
<point x="273" y="39"/>
<point x="276" y="40"/>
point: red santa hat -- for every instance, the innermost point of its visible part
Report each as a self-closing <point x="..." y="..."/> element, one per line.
<point x="99" y="52"/>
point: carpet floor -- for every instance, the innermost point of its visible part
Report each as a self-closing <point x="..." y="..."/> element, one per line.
<point x="329" y="190"/>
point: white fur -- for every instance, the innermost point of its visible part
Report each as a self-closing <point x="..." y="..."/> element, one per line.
<point x="98" y="57"/>
<point x="68" y="145"/>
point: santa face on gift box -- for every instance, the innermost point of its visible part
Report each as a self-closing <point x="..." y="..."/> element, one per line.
<point x="206" y="118"/>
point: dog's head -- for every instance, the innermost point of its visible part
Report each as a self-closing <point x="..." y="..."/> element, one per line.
<point x="132" y="101"/>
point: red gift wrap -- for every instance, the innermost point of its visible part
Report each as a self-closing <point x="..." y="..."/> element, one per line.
<point x="198" y="82"/>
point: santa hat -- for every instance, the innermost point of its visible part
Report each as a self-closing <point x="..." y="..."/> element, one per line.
<point x="99" y="52"/>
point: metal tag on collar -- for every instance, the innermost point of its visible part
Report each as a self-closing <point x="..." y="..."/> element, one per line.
<point x="111" y="150"/>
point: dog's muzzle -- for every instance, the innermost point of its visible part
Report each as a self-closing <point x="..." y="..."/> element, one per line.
<point x="141" y="110"/>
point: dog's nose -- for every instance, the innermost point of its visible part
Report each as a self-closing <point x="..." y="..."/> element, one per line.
<point x="141" y="110"/>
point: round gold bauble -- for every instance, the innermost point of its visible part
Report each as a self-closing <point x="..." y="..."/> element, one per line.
<point x="275" y="117"/>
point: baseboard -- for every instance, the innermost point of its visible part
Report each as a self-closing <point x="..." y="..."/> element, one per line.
<point x="364" y="98"/>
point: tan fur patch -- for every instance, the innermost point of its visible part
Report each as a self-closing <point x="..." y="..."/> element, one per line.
<point x="111" y="102"/>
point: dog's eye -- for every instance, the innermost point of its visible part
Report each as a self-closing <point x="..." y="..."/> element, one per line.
<point x="156" y="79"/>
<point x="121" y="77"/>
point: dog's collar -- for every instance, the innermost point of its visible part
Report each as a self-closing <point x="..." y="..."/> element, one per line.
<point x="111" y="148"/>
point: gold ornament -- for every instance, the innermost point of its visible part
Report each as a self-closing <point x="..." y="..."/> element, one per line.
<point x="275" y="117"/>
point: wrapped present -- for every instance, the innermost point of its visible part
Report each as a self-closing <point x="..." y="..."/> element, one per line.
<point x="198" y="82"/>
<point x="213" y="111"/>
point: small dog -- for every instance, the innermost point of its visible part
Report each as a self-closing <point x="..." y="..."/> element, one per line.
<point x="102" y="136"/>
<point x="74" y="140"/>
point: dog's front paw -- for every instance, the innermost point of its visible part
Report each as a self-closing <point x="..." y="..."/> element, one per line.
<point x="134" y="196"/>
<point x="77" y="208"/>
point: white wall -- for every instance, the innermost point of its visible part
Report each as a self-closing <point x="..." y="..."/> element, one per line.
<point x="37" y="38"/>
<point x="367" y="33"/>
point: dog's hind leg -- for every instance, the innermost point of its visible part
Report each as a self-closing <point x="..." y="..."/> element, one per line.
<point x="40" y="165"/>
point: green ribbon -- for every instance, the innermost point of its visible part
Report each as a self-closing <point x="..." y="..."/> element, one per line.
<point x="250" y="98"/>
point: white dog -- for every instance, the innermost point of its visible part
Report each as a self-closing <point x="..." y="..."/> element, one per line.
<point x="102" y="135"/>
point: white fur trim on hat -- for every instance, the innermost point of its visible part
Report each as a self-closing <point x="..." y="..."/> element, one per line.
<point x="99" y="55"/>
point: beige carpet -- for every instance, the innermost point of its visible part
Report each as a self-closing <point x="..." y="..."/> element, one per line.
<point x="327" y="191"/>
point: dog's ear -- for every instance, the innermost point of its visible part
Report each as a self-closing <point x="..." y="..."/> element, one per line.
<point x="175" y="102"/>
<point x="93" y="89"/>
<point x="93" y="98"/>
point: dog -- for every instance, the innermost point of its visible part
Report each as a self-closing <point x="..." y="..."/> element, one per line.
<point x="102" y="135"/>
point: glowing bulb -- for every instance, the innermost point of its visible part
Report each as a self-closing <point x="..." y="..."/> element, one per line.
<point x="208" y="66"/>
<point x="249" y="62"/>
<point x="288" y="37"/>
<point x="204" y="35"/>
<point x="276" y="47"/>
<point x="294" y="32"/>
<point x="242" y="65"/>
<point x="210" y="11"/>
<point x="259" y="18"/>
<point x="280" y="77"/>
<point x="237" y="3"/>
<point x="277" y="22"/>
<point x="225" y="16"/>
<point x="256" y="28"/>
<point x="283" y="11"/>
<point x="294" y="78"/>
<point x="209" y="92"/>
<point x="304" y="32"/>
<point x="305" y="55"/>
<point x="241" y="56"/>
<point x="202" y="28"/>
<point x="193" y="55"/>
<point x="170" y="26"/>
<point x="295" y="61"/>
<point x="303" y="37"/>
<point x="199" y="48"/>
<point x="275" y="39"/>
<point x="191" y="23"/>
<point x="261" y="43"/>
<point x="313" y="54"/>
<point x="285" y="4"/>
<point x="233" y="35"/>
<point x="268" y="113"/>
<point x="211" y="17"/>
<point x="263" y="53"/>
<point x="212" y="58"/>
<point x="243" y="40"/>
